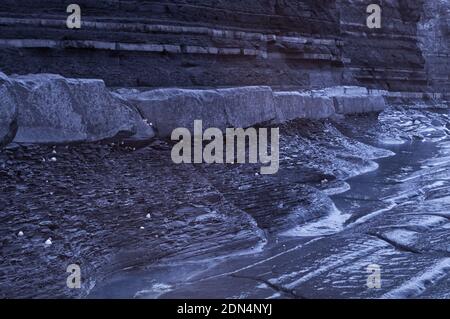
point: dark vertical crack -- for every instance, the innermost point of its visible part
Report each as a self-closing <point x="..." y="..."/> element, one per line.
<point x="277" y="288"/>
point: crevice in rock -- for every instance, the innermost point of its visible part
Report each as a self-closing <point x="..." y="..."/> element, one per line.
<point x="394" y="244"/>
<point x="277" y="288"/>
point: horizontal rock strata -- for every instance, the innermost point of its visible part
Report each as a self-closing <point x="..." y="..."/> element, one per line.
<point x="387" y="58"/>
<point x="177" y="43"/>
<point x="288" y="44"/>
<point x="434" y="36"/>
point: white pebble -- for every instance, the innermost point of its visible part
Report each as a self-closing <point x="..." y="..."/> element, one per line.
<point x="53" y="159"/>
<point x="142" y="228"/>
<point x="48" y="242"/>
<point x="20" y="234"/>
<point x="148" y="216"/>
<point x="54" y="152"/>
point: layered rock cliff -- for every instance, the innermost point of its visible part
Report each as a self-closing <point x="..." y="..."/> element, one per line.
<point x="200" y="43"/>
<point x="434" y="41"/>
<point x="114" y="209"/>
<point x="177" y="43"/>
<point x="389" y="57"/>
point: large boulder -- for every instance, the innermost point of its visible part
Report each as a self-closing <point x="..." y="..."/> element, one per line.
<point x="54" y="109"/>
<point x="8" y="112"/>
<point x="169" y="109"/>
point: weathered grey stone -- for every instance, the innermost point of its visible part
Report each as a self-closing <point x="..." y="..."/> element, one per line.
<point x="243" y="107"/>
<point x="54" y="109"/>
<point x="247" y="106"/>
<point x="8" y="112"/>
<point x="144" y="129"/>
<point x="294" y="105"/>
<point x="354" y="99"/>
<point x="169" y="109"/>
<point x="359" y="104"/>
<point x="318" y="104"/>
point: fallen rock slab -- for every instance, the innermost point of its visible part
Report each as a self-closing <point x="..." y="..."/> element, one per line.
<point x="243" y="107"/>
<point x="320" y="104"/>
<point x="169" y="109"/>
<point x="54" y="109"/>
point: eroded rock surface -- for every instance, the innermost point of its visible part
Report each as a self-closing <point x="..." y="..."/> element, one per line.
<point x="8" y="112"/>
<point x="243" y="107"/>
<point x="169" y="109"/>
<point x="54" y="109"/>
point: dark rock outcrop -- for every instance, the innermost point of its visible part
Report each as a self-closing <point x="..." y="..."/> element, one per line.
<point x="434" y="41"/>
<point x="387" y="58"/>
<point x="54" y="109"/>
<point x="8" y="112"/>
<point x="201" y="43"/>
<point x="176" y="43"/>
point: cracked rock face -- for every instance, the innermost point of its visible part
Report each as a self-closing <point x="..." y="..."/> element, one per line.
<point x="54" y="109"/>
<point x="8" y="112"/>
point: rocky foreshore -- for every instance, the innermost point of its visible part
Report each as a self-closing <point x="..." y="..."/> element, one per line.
<point x="110" y="207"/>
<point x="87" y="176"/>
